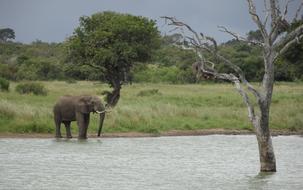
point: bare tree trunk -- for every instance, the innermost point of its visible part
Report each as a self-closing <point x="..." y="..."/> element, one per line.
<point x="266" y="150"/>
<point x="114" y="97"/>
<point x="275" y="42"/>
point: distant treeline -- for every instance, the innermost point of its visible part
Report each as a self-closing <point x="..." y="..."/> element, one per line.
<point x="169" y="64"/>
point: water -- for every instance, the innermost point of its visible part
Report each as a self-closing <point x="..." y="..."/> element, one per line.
<point x="185" y="163"/>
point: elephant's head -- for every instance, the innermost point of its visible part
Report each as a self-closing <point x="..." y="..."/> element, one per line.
<point x="89" y="104"/>
<point x="97" y="106"/>
<point x="93" y="104"/>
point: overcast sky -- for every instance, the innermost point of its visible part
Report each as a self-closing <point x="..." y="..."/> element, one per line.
<point x="55" y="20"/>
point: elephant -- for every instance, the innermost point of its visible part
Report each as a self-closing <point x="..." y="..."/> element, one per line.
<point x="77" y="108"/>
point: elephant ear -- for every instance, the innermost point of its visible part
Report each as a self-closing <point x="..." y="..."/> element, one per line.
<point x="84" y="105"/>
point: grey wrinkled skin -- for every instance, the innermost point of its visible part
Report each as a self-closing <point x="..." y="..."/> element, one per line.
<point x="75" y="108"/>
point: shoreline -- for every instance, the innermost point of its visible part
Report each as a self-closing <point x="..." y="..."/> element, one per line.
<point x="201" y="132"/>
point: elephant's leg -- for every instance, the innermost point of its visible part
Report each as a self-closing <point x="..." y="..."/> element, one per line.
<point x="58" y="125"/>
<point x="67" y="127"/>
<point x="81" y="125"/>
<point x="58" y="132"/>
<point x="86" y="119"/>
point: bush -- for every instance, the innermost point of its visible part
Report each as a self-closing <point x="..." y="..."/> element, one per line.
<point x="4" y="84"/>
<point x="28" y="88"/>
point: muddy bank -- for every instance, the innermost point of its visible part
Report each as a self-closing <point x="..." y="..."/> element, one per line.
<point x="168" y="133"/>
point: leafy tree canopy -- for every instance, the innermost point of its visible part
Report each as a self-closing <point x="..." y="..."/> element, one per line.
<point x="111" y="42"/>
<point x="6" y="34"/>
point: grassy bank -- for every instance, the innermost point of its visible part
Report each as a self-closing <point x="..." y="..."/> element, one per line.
<point x="153" y="108"/>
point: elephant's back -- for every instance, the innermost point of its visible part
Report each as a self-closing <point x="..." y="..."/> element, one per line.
<point x="65" y="106"/>
<point x="63" y="101"/>
<point x="68" y="99"/>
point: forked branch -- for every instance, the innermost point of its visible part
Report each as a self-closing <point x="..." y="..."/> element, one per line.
<point x="277" y="39"/>
<point x="298" y="11"/>
<point x="256" y="18"/>
<point x="287" y="41"/>
<point x="238" y="37"/>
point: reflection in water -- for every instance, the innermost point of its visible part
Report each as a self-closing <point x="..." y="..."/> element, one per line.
<point x="178" y="163"/>
<point x="76" y="141"/>
<point x="260" y="181"/>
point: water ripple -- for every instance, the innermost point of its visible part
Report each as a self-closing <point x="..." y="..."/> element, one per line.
<point x="206" y="162"/>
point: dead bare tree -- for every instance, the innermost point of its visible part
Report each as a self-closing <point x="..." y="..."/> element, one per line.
<point x="276" y="40"/>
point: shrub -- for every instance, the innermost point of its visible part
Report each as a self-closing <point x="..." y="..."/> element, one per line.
<point x="150" y="92"/>
<point x="4" y="84"/>
<point x="28" y="88"/>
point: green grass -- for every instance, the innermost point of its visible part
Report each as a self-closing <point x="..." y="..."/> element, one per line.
<point x="173" y="107"/>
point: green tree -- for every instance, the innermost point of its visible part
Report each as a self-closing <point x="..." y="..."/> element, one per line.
<point x="6" y="33"/>
<point x="111" y="43"/>
<point x="255" y="35"/>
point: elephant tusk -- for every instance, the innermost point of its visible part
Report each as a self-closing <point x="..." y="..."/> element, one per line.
<point x="104" y="111"/>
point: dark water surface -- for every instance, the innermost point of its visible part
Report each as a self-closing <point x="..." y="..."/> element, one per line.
<point x="176" y="163"/>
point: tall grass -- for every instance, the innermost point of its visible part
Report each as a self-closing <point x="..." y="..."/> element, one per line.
<point x="173" y="107"/>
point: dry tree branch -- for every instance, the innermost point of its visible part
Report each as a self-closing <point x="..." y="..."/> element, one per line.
<point x="265" y="5"/>
<point x="235" y="35"/>
<point x="275" y="20"/>
<point x="286" y="9"/>
<point x="202" y="42"/>
<point x="267" y="11"/>
<point x="241" y="74"/>
<point x="298" y="10"/>
<point x="238" y="37"/>
<point x="288" y="45"/>
<point x="251" y="112"/>
<point x="288" y="40"/>
<point x="256" y="19"/>
<point x="177" y="23"/>
<point x="275" y="10"/>
<point x="279" y="22"/>
<point x="266" y="18"/>
<point x="213" y="41"/>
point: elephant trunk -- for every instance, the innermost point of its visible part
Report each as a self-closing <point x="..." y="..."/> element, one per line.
<point x="102" y="116"/>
